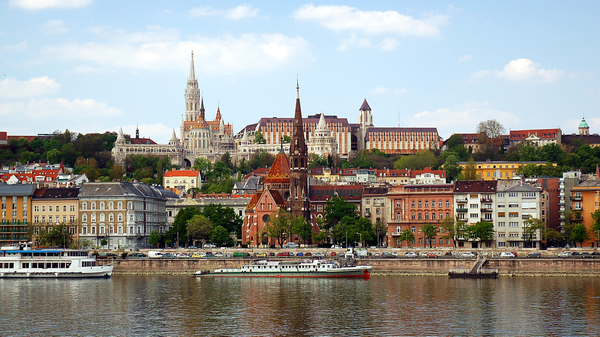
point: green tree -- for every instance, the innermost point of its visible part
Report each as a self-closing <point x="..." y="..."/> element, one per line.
<point x="470" y="172"/>
<point x="199" y="228"/>
<point x="224" y="217"/>
<point x="408" y="236"/>
<point x="482" y="231"/>
<point x="417" y="161"/>
<point x="286" y="139"/>
<point x="279" y="226"/>
<point x="154" y="238"/>
<point x="381" y="231"/>
<point x="531" y="226"/>
<point x="553" y="237"/>
<point x="220" y="237"/>
<point x="179" y="230"/>
<point x="337" y="208"/>
<point x="596" y="225"/>
<point x="302" y="228"/>
<point x="452" y="168"/>
<point x="259" y="138"/>
<point x="450" y="229"/>
<point x="429" y="232"/>
<point x="579" y="233"/>
<point x="103" y="242"/>
<point x="317" y="161"/>
<point x="204" y="166"/>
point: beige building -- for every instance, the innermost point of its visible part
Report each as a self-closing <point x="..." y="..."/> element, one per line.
<point x="16" y="212"/>
<point x="182" y="179"/>
<point x="55" y="206"/>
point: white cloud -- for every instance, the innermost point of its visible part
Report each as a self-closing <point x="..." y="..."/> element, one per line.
<point x="37" y="86"/>
<point x="64" y="109"/>
<point x="7" y="109"/>
<point x="159" y="49"/>
<point x="344" y="18"/>
<point x="462" y="118"/>
<point x="54" y="27"/>
<point x="389" y="44"/>
<point x="464" y="58"/>
<point x="381" y="90"/>
<point x="354" y="41"/>
<point x="44" y="4"/>
<point x="237" y="13"/>
<point x="21" y="46"/>
<point x="521" y="70"/>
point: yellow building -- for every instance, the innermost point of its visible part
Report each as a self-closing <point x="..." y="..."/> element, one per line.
<point x="55" y="206"/>
<point x="585" y="200"/>
<point x="15" y="215"/>
<point x="494" y="170"/>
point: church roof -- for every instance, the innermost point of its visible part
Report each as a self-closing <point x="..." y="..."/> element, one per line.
<point x="365" y="106"/>
<point x="280" y="170"/>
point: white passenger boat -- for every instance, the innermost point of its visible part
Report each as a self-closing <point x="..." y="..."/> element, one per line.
<point x="308" y="269"/>
<point x="50" y="263"/>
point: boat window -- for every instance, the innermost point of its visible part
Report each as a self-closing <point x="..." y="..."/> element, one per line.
<point x="25" y="265"/>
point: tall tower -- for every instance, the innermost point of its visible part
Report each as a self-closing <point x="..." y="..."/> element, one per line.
<point x="192" y="95"/>
<point x="584" y="128"/>
<point x="365" y="121"/>
<point x="299" y="202"/>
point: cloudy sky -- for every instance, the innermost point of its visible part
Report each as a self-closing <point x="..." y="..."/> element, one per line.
<point x="93" y="66"/>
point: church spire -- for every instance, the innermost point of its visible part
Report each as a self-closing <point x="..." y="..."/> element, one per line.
<point x="192" y="95"/>
<point x="299" y="204"/>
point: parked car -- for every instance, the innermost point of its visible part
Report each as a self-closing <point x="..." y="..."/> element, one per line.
<point x="284" y="254"/>
<point x="168" y="256"/>
<point x="308" y="254"/>
<point x="564" y="254"/>
<point x="300" y="254"/>
<point x="192" y="247"/>
<point x="432" y="255"/>
<point x="388" y="255"/>
<point x="209" y="245"/>
<point x="209" y="254"/>
<point x="199" y="254"/>
<point x="448" y="254"/>
<point x="507" y="255"/>
<point x="242" y="254"/>
<point x="336" y="247"/>
<point x="411" y="254"/>
<point x="257" y="254"/>
<point x="136" y="256"/>
<point x="534" y="255"/>
<point x="291" y="245"/>
<point x="320" y="254"/>
<point x="467" y="255"/>
<point x="586" y="255"/>
<point x="333" y="254"/>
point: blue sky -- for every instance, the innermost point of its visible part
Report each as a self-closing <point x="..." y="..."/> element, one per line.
<point x="93" y="66"/>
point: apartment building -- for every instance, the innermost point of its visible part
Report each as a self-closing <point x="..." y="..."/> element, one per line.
<point x="516" y="202"/>
<point x="413" y="206"/>
<point x="55" y="206"/>
<point x="585" y="200"/>
<point x="15" y="213"/>
<point x="474" y="201"/>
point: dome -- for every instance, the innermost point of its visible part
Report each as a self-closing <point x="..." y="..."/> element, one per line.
<point x="583" y="124"/>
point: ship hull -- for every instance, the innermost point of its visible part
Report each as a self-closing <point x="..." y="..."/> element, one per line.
<point x="357" y="272"/>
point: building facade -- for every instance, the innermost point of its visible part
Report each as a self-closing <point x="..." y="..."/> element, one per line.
<point x="474" y="200"/>
<point x="16" y="212"/>
<point x="52" y="207"/>
<point x="516" y="202"/>
<point x="182" y="179"/>
<point x="124" y="214"/>
<point x="413" y="206"/>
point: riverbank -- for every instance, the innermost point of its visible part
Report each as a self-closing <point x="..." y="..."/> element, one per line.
<point x="399" y="266"/>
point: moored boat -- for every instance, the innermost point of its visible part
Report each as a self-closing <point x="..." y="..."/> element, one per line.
<point x="50" y="263"/>
<point x="301" y="269"/>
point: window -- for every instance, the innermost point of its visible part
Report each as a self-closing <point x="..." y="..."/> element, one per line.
<point x="513" y="224"/>
<point x="501" y="244"/>
<point x="36" y="208"/>
<point x="420" y="216"/>
<point x="529" y="194"/>
<point x="501" y="205"/>
<point x="25" y="198"/>
<point x="419" y="203"/>
<point x="474" y="206"/>
<point x="474" y="215"/>
<point x="432" y="216"/>
<point x="513" y="205"/>
<point x="84" y="206"/>
<point x="501" y="214"/>
<point x="513" y="215"/>
<point x="426" y="203"/>
<point x="440" y="203"/>
<point x="93" y="204"/>
<point x="102" y="205"/>
<point x="413" y="229"/>
<point x="36" y="219"/>
<point x="513" y="194"/>
<point x="426" y="216"/>
<point x="441" y="216"/>
<point x="367" y="201"/>
<point x="111" y="205"/>
<point x="84" y="218"/>
<point x="319" y="208"/>
<point x="72" y="208"/>
<point x="43" y="208"/>
<point x="72" y="219"/>
<point x="102" y="217"/>
<point x="501" y="224"/>
<point x="412" y="216"/>
<point x="111" y="217"/>
<point x="447" y="203"/>
<point x="119" y="217"/>
<point x="412" y="203"/>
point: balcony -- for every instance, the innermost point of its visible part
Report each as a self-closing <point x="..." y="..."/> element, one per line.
<point x="487" y="210"/>
<point x="462" y="220"/>
<point x="576" y="197"/>
<point x="461" y="201"/>
<point x="577" y="208"/>
<point x="461" y="209"/>
<point x="486" y="199"/>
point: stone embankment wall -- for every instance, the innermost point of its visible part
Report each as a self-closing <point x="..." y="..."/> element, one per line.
<point x="398" y="266"/>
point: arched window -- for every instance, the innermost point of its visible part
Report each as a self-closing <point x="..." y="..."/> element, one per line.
<point x="102" y="205"/>
<point x="102" y="217"/>
<point x="120" y="205"/>
<point x="111" y="217"/>
<point x="93" y="217"/>
<point x="420" y="216"/>
<point x="84" y="218"/>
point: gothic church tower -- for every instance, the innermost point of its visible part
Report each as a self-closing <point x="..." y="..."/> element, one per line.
<point x="192" y="95"/>
<point x="299" y="202"/>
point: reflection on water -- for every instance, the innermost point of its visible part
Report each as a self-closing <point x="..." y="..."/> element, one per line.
<point x="383" y="305"/>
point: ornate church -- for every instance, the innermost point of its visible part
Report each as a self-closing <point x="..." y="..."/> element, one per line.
<point x="199" y="137"/>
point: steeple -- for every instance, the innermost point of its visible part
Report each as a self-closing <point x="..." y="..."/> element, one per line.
<point x="192" y="95"/>
<point x="202" y="109"/>
<point x="137" y="132"/>
<point x="298" y="202"/>
<point x="218" y="117"/>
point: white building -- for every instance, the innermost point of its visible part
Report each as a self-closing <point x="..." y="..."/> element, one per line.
<point x="516" y="202"/>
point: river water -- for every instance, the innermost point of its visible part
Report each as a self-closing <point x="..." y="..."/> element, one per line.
<point x="381" y="306"/>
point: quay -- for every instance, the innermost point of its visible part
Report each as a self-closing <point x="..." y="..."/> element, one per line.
<point x="521" y="266"/>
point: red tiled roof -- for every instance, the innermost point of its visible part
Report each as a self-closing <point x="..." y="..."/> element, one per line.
<point x="182" y="173"/>
<point x="441" y="173"/>
<point x="280" y="170"/>
<point x="542" y="133"/>
<point x="141" y="141"/>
